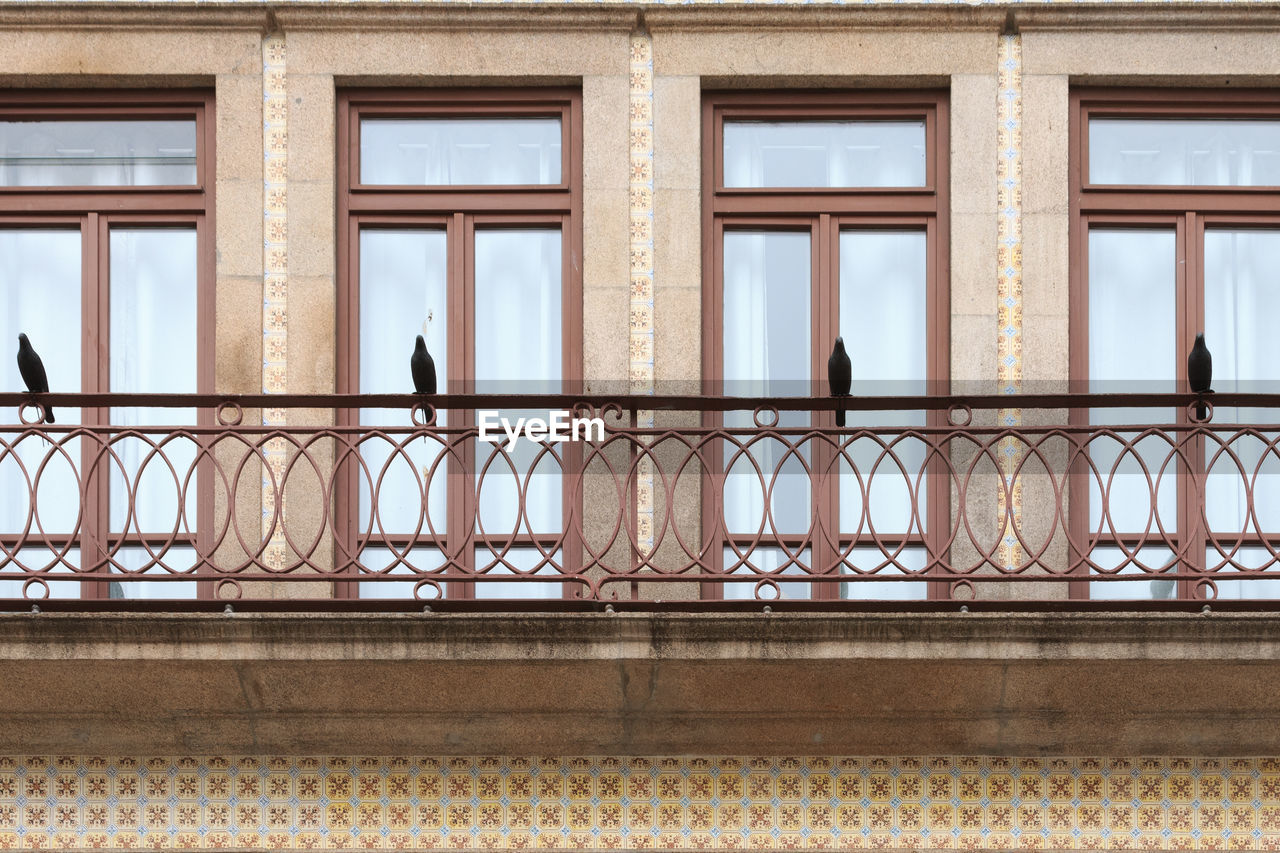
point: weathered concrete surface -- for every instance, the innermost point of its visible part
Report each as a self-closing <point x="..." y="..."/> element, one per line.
<point x="641" y="683"/>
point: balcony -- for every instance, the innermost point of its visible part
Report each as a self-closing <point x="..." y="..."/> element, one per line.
<point x="723" y="503"/>
<point x="919" y="588"/>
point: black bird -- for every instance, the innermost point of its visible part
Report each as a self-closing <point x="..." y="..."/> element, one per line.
<point x="1200" y="373"/>
<point x="839" y="375"/>
<point x="423" y="367"/>
<point x="32" y="370"/>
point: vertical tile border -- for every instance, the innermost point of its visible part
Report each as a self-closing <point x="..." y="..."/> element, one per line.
<point x="640" y="198"/>
<point x="275" y="281"/>
<point x="1009" y="284"/>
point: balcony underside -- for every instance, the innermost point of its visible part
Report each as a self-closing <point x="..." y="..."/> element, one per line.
<point x="647" y="683"/>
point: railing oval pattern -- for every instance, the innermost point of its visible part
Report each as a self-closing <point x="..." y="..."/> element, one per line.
<point x="764" y="512"/>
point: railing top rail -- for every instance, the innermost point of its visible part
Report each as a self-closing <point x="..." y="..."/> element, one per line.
<point x="663" y="402"/>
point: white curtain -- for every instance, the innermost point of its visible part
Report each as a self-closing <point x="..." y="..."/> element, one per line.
<point x="1241" y="297"/>
<point x="766" y="352"/>
<point x="1184" y="152"/>
<point x="518" y="350"/>
<point x="460" y="152"/>
<point x="883" y="320"/>
<point x="97" y="153"/>
<point x="403" y="294"/>
<point x="40" y="290"/>
<point x="824" y="154"/>
<point x="154" y="332"/>
<point x="1132" y="347"/>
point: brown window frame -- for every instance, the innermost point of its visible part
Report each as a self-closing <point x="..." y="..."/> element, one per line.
<point x="823" y="212"/>
<point x="92" y="210"/>
<point x="1188" y="210"/>
<point x="457" y="210"/>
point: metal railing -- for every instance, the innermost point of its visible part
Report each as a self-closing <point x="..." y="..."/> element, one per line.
<point x="919" y="502"/>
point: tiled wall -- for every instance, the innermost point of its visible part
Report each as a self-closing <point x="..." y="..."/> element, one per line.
<point x="633" y="803"/>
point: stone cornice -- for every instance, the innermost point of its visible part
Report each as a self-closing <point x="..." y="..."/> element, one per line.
<point x="250" y="14"/>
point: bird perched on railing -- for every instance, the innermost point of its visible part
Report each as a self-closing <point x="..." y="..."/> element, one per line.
<point x="32" y="370"/>
<point x="423" y="367"/>
<point x="1200" y="373"/>
<point x="839" y="375"/>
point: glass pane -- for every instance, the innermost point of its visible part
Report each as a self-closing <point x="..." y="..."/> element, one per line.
<point x="403" y="294"/>
<point x="1184" y="152"/>
<point x="873" y="562"/>
<point x="1132" y="274"/>
<point x="824" y="154"/>
<point x="518" y="351"/>
<point x="460" y="152"/>
<point x="518" y="310"/>
<point x="766" y="352"/>
<point x="414" y="566"/>
<point x="524" y="561"/>
<point x="13" y="572"/>
<point x="883" y="320"/>
<point x="97" y="153"/>
<point x="141" y="563"/>
<point x="153" y="334"/>
<point x="1230" y="561"/>
<point x="1240" y="297"/>
<point x="765" y="564"/>
<point x="40" y="290"/>
<point x="1146" y="562"/>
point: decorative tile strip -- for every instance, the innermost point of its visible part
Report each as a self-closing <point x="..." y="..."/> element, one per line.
<point x="628" y="802"/>
<point x="641" y="344"/>
<point x="1009" y="285"/>
<point x="275" y="280"/>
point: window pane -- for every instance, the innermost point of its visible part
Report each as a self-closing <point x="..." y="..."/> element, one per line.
<point x="40" y="290"/>
<point x="1132" y="347"/>
<point x="1145" y="563"/>
<point x="415" y="566"/>
<point x="1184" y="152"/>
<point x="762" y="564"/>
<point x="139" y="562"/>
<point x="518" y="351"/>
<point x="874" y="562"/>
<point x="518" y="310"/>
<point x="13" y="572"/>
<point x="403" y="294"/>
<point x="97" y="153"/>
<point x="524" y="561"/>
<point x="883" y="277"/>
<point x="460" y="152"/>
<point x="824" y="154"/>
<point x="1240" y="297"/>
<point x="766" y="352"/>
<point x="153" y="350"/>
<point x="1229" y="560"/>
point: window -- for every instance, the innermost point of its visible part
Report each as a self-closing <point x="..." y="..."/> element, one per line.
<point x="106" y="263"/>
<point x="1176" y="217"/>
<point x="462" y="224"/>
<point x="825" y="215"/>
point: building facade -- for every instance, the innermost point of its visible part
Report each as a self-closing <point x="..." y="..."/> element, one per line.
<point x="1025" y="600"/>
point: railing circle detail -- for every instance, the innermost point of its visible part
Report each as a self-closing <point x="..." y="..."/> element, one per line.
<point x="26" y="589"/>
<point x="235" y="418"/>
<point x="767" y="583"/>
<point x="40" y="414"/>
<point x="1205" y="589"/>
<point x="423" y="414"/>
<point x="759" y="413"/>
<point x="425" y="583"/>
<point x="959" y="409"/>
